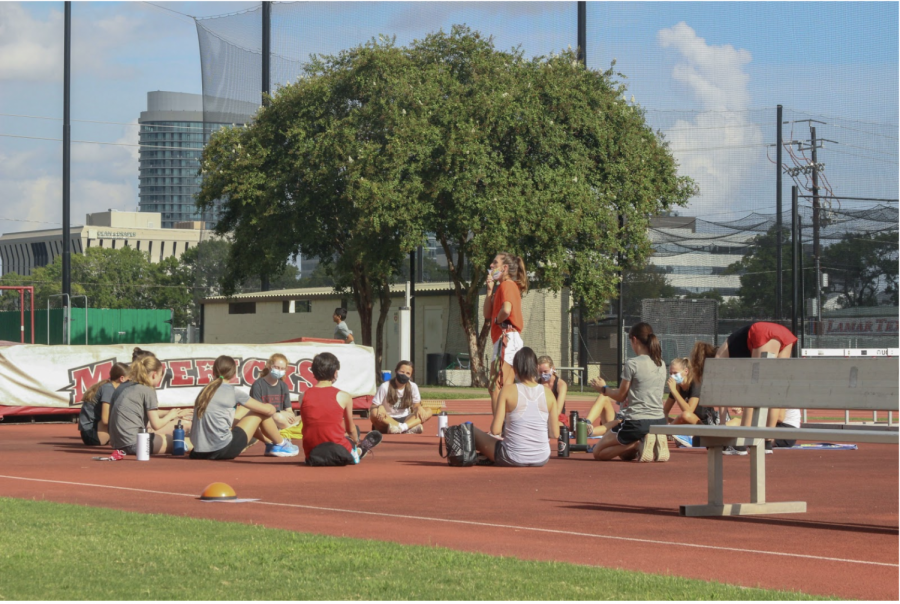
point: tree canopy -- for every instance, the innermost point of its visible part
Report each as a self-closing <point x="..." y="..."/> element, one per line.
<point x="486" y="149"/>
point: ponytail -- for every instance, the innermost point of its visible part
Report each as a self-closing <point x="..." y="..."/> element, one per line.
<point x="223" y="370"/>
<point x="137" y="354"/>
<point x="140" y="370"/>
<point x="643" y="333"/>
<point x="699" y="353"/>
<point x="118" y="370"/>
<point x="516" y="269"/>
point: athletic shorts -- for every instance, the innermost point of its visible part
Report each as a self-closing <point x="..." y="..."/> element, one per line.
<point x="514" y="344"/>
<point x="132" y="449"/>
<point x="501" y="458"/>
<point x="90" y="438"/>
<point x="230" y="451"/>
<point x="633" y="430"/>
<point x="761" y="333"/>
<point x="782" y="443"/>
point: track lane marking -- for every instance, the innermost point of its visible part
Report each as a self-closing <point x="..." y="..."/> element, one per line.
<point x="480" y="524"/>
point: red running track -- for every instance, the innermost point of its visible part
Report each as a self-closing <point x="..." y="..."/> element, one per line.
<point x="615" y="514"/>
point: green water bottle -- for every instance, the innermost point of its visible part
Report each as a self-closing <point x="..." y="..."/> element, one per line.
<point x="581" y="432"/>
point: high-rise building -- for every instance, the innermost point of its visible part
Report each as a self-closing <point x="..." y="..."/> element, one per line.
<point x="172" y="135"/>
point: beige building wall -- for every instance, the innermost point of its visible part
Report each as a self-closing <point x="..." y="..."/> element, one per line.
<point x="546" y="315"/>
<point x="22" y="252"/>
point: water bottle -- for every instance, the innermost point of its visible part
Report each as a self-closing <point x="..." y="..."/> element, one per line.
<point x="443" y="422"/>
<point x="178" y="440"/>
<point x="573" y="421"/>
<point x="581" y="432"/>
<point x="563" y="446"/>
<point x="143" y="445"/>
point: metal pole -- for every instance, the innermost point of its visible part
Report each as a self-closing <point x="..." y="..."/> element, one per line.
<point x="412" y="306"/>
<point x="582" y="33"/>
<point x="31" y="292"/>
<point x="795" y="261"/>
<point x="620" y="328"/>
<point x="22" y="315"/>
<point x="67" y="144"/>
<point x="778" y="226"/>
<point x="266" y="53"/>
<point x="816" y="226"/>
<point x="802" y="284"/>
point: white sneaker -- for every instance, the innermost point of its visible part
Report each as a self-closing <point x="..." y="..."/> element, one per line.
<point x="394" y="429"/>
<point x="417" y="430"/>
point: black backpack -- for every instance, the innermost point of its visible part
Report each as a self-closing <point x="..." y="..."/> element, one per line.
<point x="460" y="442"/>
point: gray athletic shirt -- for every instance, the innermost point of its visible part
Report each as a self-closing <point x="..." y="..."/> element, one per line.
<point x="129" y="414"/>
<point x="645" y="396"/>
<point x="341" y="331"/>
<point x="212" y="432"/>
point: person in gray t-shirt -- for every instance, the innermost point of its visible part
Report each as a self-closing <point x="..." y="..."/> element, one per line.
<point x="640" y="393"/>
<point x="341" y="331"/>
<point x="136" y="407"/>
<point x="225" y="419"/>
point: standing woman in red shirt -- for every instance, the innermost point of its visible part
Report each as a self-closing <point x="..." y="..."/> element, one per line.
<point x="506" y="282"/>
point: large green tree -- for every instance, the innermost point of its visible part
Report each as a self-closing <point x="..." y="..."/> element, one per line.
<point x="862" y="265"/>
<point x="330" y="168"/>
<point x="485" y="149"/>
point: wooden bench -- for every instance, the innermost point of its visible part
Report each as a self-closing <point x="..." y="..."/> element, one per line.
<point x="868" y="384"/>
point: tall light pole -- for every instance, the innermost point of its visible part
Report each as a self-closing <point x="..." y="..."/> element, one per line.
<point x="67" y="156"/>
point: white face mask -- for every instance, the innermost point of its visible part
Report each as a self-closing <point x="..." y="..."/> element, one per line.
<point x="276" y="373"/>
<point x="546" y="376"/>
<point x="677" y="377"/>
<point x="496" y="274"/>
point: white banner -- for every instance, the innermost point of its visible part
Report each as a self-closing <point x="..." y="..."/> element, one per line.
<point x="57" y="376"/>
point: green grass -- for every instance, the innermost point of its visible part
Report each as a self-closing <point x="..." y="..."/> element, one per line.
<point x="52" y="551"/>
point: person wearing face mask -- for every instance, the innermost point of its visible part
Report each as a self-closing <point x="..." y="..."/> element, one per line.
<point x="684" y="396"/>
<point x="547" y="376"/>
<point x="506" y="282"/>
<point x="397" y="406"/>
<point x="270" y="388"/>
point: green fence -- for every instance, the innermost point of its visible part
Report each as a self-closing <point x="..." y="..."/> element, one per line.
<point x="105" y="326"/>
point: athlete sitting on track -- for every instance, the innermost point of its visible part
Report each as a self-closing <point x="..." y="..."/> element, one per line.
<point x="527" y="416"/>
<point x="397" y="406"/>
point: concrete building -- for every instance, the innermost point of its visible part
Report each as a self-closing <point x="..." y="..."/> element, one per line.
<point x="172" y="135"/>
<point x="276" y="316"/>
<point x="24" y="251"/>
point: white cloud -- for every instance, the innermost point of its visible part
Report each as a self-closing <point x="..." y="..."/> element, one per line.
<point x="720" y="148"/>
<point x="31" y="49"/>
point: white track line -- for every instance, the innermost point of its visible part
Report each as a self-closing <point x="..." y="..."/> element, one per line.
<point x="482" y="524"/>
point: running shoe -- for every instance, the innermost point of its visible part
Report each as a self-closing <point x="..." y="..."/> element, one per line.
<point x="733" y="451"/>
<point x="417" y="430"/>
<point x="645" y="449"/>
<point x="286" y="449"/>
<point x="684" y="441"/>
<point x="371" y="441"/>
<point x="661" y="449"/>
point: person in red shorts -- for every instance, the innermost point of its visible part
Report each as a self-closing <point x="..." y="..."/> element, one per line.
<point x="749" y="343"/>
<point x="329" y="436"/>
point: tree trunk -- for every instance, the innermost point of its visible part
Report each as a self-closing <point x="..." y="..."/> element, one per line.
<point x="469" y="312"/>
<point x="385" y="300"/>
<point x="362" y="293"/>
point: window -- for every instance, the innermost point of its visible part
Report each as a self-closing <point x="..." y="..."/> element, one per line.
<point x="295" y="306"/>
<point x="242" y="308"/>
<point x="39" y="251"/>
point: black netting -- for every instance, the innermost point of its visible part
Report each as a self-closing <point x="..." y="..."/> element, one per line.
<point x="715" y="104"/>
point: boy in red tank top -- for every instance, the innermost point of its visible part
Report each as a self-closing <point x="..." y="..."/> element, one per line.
<point x="329" y="434"/>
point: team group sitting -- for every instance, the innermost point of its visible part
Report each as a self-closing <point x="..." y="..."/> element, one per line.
<point x="527" y="399"/>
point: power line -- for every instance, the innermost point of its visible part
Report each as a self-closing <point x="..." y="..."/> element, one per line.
<point x="41" y="138"/>
<point x="59" y="119"/>
<point x="171" y="10"/>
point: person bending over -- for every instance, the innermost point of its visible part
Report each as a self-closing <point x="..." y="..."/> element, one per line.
<point x="397" y="406"/>
<point x="640" y="387"/>
<point x="329" y="434"/>
<point x="527" y="415"/>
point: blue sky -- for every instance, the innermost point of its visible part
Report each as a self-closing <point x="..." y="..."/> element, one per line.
<point x="708" y="73"/>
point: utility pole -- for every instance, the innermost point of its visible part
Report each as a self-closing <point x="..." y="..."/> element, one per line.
<point x="67" y="156"/>
<point x="266" y="88"/>
<point x="778" y="226"/>
<point x="582" y="33"/>
<point x="816" y="225"/>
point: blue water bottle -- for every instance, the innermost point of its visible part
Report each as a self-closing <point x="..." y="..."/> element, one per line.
<point x="178" y="440"/>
